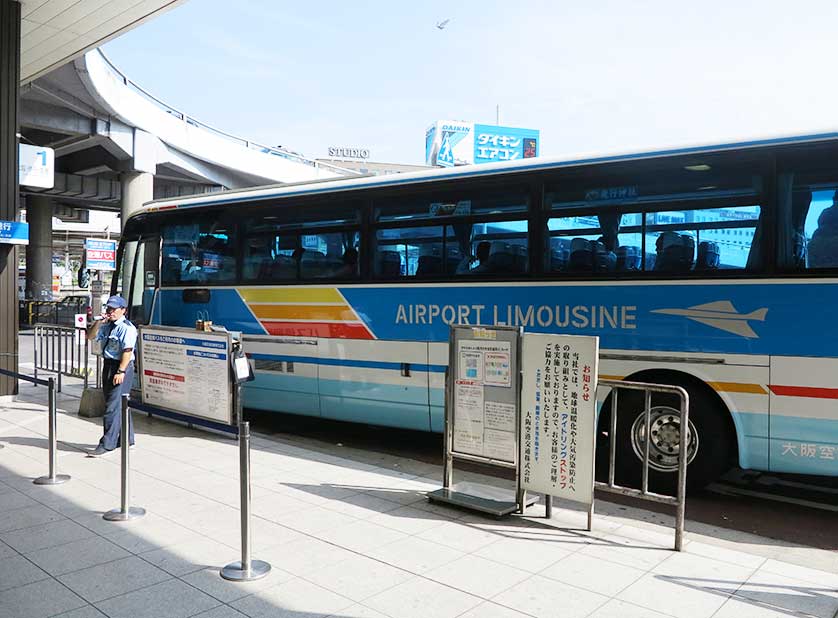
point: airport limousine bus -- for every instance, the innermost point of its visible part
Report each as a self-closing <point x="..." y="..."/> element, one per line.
<point x="713" y="268"/>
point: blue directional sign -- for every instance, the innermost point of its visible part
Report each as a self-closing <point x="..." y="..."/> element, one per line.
<point x="14" y="233"/>
<point x="100" y="254"/>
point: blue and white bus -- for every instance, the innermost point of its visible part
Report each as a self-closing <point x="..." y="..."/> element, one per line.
<point x="713" y="268"/>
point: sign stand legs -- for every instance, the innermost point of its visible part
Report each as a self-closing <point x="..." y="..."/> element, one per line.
<point x="125" y="512"/>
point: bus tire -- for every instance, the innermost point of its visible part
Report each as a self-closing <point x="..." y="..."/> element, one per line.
<point x="711" y="443"/>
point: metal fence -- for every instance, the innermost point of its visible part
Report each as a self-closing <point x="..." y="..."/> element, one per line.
<point x="679" y="500"/>
<point x="64" y="351"/>
<point x="60" y="312"/>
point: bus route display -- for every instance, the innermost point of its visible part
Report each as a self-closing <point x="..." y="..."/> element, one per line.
<point x="558" y="414"/>
<point x="187" y="371"/>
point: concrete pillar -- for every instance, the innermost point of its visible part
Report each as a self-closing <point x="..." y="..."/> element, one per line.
<point x="39" y="249"/>
<point x="9" y="96"/>
<point x="137" y="189"/>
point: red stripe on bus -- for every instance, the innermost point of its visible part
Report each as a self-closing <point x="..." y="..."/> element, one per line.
<point x="804" y="391"/>
<point x="318" y="329"/>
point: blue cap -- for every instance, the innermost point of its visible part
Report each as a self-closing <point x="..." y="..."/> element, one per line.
<point x="117" y="302"/>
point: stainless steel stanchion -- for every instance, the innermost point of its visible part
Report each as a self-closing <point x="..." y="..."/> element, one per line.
<point x="126" y="511"/>
<point x="53" y="478"/>
<point x="247" y="569"/>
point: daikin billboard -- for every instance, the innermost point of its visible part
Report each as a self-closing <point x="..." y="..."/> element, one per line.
<point x="454" y="142"/>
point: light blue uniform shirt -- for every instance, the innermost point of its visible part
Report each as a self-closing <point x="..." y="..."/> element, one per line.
<point x="115" y="337"/>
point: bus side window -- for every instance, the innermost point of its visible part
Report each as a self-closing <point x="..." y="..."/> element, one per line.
<point x="821" y="230"/>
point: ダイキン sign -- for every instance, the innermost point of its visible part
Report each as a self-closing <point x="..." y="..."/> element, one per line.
<point x="558" y="415"/>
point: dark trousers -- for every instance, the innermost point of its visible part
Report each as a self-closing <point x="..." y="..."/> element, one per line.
<point x="113" y="404"/>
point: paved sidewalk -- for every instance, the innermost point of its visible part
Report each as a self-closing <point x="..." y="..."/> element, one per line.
<point x="349" y="534"/>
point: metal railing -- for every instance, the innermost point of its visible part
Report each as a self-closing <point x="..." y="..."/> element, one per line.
<point x="49" y="311"/>
<point x="280" y="152"/>
<point x="679" y="500"/>
<point x="64" y="351"/>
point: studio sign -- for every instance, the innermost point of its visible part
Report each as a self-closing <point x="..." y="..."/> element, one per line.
<point x="354" y="153"/>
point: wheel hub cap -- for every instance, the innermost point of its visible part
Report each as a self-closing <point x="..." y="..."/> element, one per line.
<point x="665" y="445"/>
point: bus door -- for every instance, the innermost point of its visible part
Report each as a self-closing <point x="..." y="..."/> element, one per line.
<point x="140" y="272"/>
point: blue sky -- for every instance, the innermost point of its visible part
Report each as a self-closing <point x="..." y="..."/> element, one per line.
<point x="593" y="77"/>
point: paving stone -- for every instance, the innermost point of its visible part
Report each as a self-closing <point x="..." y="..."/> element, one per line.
<point x="27" y="517"/>
<point x="76" y="556"/>
<point x="18" y="571"/>
<point x="422" y="598"/>
<point x="172" y="599"/>
<point x="44" y="598"/>
<point x="294" y="599"/>
<point x="113" y="578"/>
<point x="45" y="535"/>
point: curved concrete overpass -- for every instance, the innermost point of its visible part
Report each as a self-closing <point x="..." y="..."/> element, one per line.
<point x="173" y="133"/>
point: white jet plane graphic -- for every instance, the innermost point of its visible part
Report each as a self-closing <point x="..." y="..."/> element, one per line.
<point x="722" y="315"/>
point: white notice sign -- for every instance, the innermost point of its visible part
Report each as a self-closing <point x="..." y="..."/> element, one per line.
<point x="558" y="415"/>
<point x="187" y="372"/>
<point x="468" y="417"/>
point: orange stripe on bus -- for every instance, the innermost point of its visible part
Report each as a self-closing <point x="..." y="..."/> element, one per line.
<point x="738" y="387"/>
<point x="303" y="312"/>
<point x="725" y="387"/>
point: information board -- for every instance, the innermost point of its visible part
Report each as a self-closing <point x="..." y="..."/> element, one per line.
<point x="100" y="254"/>
<point x="558" y="414"/>
<point x="14" y="233"/>
<point x="484" y="399"/>
<point x="187" y="371"/>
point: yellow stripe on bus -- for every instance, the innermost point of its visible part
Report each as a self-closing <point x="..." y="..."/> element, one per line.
<point x="291" y="295"/>
<point x="303" y="312"/>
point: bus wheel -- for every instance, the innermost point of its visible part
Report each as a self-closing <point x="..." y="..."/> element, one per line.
<point x="710" y="442"/>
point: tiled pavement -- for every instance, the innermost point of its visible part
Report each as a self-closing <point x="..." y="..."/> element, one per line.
<point x="350" y="535"/>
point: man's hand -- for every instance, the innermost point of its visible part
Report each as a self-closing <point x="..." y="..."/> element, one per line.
<point x="118" y="379"/>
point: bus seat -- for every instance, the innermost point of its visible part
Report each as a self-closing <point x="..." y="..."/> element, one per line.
<point x="429" y="265"/>
<point x="823" y="247"/>
<point x="501" y="262"/>
<point x="604" y="260"/>
<point x="708" y="256"/>
<point x="558" y="259"/>
<point x="519" y="254"/>
<point x="284" y="267"/>
<point x="389" y="264"/>
<point x="581" y="257"/>
<point x="675" y="252"/>
<point x="313" y="265"/>
<point x="628" y="259"/>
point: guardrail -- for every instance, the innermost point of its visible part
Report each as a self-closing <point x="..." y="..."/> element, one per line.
<point x="280" y="152"/>
<point x="679" y="500"/>
<point x="64" y="351"/>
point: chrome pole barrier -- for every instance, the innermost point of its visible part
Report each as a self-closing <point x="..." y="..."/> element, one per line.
<point x="247" y="569"/>
<point x="680" y="508"/>
<point x="53" y="478"/>
<point x="35" y="350"/>
<point x="86" y="359"/>
<point x="126" y="512"/>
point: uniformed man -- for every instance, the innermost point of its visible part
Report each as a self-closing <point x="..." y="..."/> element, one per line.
<point x="117" y="338"/>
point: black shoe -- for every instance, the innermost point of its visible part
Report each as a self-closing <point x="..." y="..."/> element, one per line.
<point x="99" y="451"/>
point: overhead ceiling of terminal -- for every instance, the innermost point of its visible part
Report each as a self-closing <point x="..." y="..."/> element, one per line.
<point x="54" y="32"/>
